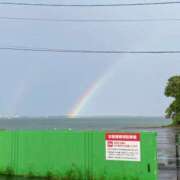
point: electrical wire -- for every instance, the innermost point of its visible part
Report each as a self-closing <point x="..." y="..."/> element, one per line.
<point x="85" y="51"/>
<point x="88" y="20"/>
<point x="90" y="5"/>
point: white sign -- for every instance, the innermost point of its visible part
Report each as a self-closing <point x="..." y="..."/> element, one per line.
<point x="123" y="146"/>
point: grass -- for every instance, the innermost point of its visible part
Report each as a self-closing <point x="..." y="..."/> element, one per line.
<point x="72" y="174"/>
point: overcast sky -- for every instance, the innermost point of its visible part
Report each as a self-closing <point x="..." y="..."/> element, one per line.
<point x="34" y="83"/>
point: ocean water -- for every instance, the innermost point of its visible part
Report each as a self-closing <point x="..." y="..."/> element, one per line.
<point x="168" y="149"/>
<point x="88" y="123"/>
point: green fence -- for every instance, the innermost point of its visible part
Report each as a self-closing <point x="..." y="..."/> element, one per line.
<point x="85" y="154"/>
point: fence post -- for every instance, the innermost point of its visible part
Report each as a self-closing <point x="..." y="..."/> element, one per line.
<point x="177" y="144"/>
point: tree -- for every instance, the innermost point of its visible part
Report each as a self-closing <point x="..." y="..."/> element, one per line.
<point x="173" y="90"/>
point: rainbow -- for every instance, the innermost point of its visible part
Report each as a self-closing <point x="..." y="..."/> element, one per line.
<point x="83" y="100"/>
<point x="24" y="86"/>
<point x="89" y="93"/>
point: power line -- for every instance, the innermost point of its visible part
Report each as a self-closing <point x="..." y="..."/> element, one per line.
<point x="85" y="51"/>
<point x="90" y="5"/>
<point x="87" y="20"/>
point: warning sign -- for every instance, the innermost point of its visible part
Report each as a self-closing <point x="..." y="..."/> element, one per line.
<point x="123" y="146"/>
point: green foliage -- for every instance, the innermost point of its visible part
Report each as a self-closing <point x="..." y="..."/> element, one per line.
<point x="30" y="175"/>
<point x="173" y="87"/>
<point x="173" y="90"/>
<point x="9" y="171"/>
<point x="51" y="176"/>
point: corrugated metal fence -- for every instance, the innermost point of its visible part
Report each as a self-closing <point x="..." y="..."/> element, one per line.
<point x="73" y="153"/>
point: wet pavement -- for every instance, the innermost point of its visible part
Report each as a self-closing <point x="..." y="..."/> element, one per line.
<point x="168" y="175"/>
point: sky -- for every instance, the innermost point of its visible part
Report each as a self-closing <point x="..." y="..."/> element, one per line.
<point x="46" y="84"/>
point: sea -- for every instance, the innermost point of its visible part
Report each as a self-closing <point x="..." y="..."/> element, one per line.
<point x="168" y="148"/>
